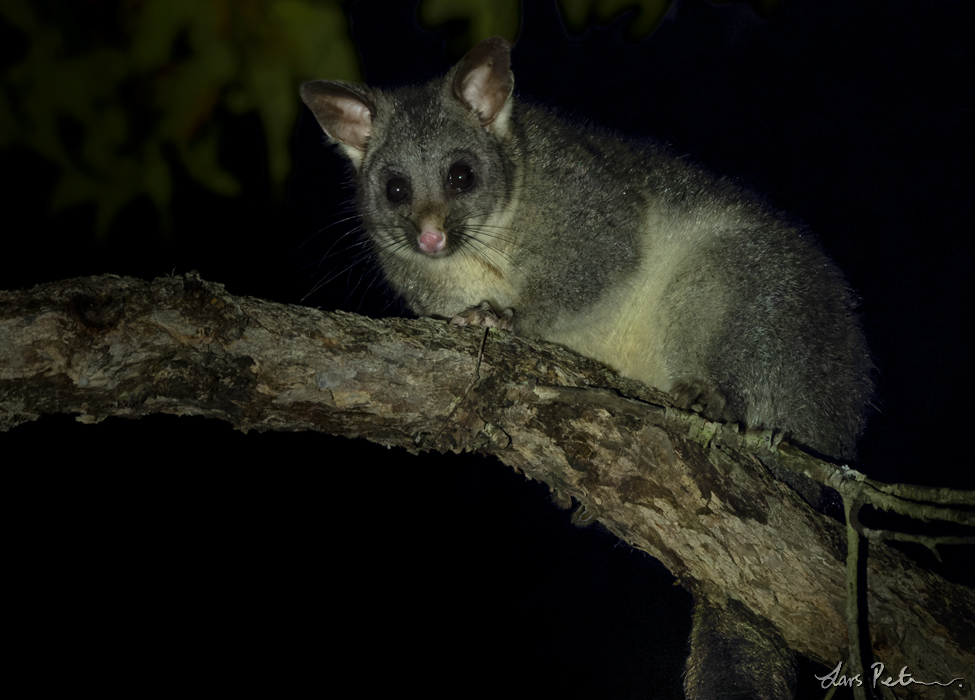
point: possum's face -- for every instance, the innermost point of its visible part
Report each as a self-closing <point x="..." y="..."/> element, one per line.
<point x="432" y="181"/>
<point x="435" y="176"/>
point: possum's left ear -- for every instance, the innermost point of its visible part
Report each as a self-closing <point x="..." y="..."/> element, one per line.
<point x="483" y="83"/>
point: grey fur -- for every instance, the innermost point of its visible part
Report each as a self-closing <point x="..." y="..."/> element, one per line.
<point x="619" y="251"/>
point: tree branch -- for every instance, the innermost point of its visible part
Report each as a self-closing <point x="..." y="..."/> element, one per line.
<point x="698" y="496"/>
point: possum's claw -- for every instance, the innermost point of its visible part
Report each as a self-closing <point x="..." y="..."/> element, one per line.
<point x="485" y="316"/>
<point x="702" y="397"/>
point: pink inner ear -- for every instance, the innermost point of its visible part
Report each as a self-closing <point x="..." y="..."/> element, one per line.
<point x="480" y="94"/>
<point x="355" y="124"/>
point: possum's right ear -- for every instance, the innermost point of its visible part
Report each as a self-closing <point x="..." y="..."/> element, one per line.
<point x="344" y="111"/>
<point x="483" y="82"/>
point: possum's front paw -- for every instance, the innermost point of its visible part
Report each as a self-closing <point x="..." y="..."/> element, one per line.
<point x="702" y="397"/>
<point x="485" y="316"/>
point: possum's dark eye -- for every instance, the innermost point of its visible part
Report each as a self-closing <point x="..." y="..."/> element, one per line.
<point x="397" y="190"/>
<point x="460" y="177"/>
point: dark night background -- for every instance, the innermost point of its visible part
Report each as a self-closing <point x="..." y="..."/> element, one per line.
<point x="145" y="551"/>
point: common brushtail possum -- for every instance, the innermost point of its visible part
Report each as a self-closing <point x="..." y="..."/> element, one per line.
<point x="487" y="210"/>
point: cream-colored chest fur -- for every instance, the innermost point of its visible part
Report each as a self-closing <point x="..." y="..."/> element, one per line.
<point x="627" y="327"/>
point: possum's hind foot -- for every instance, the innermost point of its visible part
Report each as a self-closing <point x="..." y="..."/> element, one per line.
<point x="702" y="397"/>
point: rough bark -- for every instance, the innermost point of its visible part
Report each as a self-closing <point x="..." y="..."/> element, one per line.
<point x="699" y="497"/>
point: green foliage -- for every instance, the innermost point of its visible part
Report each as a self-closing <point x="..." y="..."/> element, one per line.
<point x="486" y="19"/>
<point x="114" y="92"/>
<point x="579" y="14"/>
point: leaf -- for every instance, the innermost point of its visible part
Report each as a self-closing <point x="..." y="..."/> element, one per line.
<point x="104" y="111"/>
